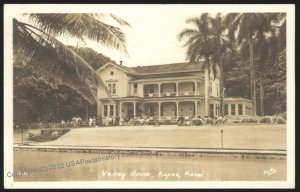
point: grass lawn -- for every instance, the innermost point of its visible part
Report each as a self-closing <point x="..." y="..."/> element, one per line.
<point x="235" y="136"/>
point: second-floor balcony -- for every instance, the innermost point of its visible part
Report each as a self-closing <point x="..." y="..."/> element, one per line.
<point x="173" y="94"/>
<point x="177" y="89"/>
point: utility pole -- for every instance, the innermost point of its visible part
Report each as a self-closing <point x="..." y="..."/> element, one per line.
<point x="22" y="136"/>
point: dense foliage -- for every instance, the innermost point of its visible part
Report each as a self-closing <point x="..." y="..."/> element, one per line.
<point x="37" y="99"/>
<point x="249" y="49"/>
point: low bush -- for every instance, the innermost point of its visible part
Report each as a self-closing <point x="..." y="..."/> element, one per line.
<point x="279" y="120"/>
<point x="266" y="119"/>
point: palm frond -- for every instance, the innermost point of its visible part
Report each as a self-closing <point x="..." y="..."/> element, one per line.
<point x="120" y="20"/>
<point x="186" y="33"/>
<point x="192" y="40"/>
<point x="54" y="61"/>
<point x="82" y="26"/>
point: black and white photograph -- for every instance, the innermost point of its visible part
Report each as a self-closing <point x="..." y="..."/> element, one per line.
<point x="149" y="96"/>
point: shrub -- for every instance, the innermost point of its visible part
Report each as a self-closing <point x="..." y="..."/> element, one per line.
<point x="265" y="119"/>
<point x="279" y="120"/>
<point x="249" y="120"/>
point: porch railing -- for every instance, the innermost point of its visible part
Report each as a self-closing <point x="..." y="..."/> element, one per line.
<point x="188" y="93"/>
<point x="151" y="95"/>
<point x="172" y="94"/>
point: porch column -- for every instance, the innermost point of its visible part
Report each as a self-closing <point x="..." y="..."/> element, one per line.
<point x="115" y="110"/>
<point x="143" y="108"/>
<point x="134" y="109"/>
<point x="120" y="114"/>
<point x="159" y="111"/>
<point x="177" y="110"/>
<point x="177" y="89"/>
<point x="158" y="89"/>
<point x="196" y="108"/>
<point x="229" y="109"/>
<point x="196" y="87"/>
<point x="244" y="109"/>
<point x="99" y="112"/>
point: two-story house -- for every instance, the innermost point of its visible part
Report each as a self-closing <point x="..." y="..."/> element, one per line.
<point x="160" y="92"/>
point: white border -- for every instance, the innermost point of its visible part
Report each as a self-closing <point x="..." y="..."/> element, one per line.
<point x="11" y="10"/>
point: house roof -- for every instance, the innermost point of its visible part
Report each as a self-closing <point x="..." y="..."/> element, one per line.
<point x="122" y="67"/>
<point x="168" y="68"/>
<point x="236" y="99"/>
<point x="159" y="69"/>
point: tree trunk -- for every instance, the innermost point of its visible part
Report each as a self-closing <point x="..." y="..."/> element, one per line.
<point x="221" y="82"/>
<point x="252" y="77"/>
<point x="87" y="112"/>
<point x="208" y="66"/>
<point x="261" y="82"/>
<point x="208" y="94"/>
<point x="222" y="88"/>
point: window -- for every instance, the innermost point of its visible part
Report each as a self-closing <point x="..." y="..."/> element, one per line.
<point x="151" y="89"/>
<point x="226" y="109"/>
<point x="211" y="110"/>
<point x="105" y="111"/>
<point x="111" y="110"/>
<point x="112" y="88"/>
<point x="232" y="109"/>
<point x="210" y="88"/>
<point x="111" y="73"/>
<point x="135" y="88"/>
<point x="240" y="107"/>
<point x="217" y="91"/>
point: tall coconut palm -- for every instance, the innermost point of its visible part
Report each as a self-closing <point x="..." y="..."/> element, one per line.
<point x="199" y="40"/>
<point x="265" y="44"/>
<point x="221" y="45"/>
<point x="36" y="43"/>
<point x="243" y="27"/>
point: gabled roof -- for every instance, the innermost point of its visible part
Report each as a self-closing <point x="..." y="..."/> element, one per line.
<point x="124" y="68"/>
<point x="169" y="68"/>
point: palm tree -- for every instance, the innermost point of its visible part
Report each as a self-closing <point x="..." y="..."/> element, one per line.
<point x="221" y="44"/>
<point x="199" y="40"/>
<point x="207" y="41"/>
<point x="244" y="27"/>
<point x="36" y="44"/>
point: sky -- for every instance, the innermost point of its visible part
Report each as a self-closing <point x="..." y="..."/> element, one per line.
<point x="152" y="39"/>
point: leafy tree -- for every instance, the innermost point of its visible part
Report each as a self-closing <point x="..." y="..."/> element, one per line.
<point x="266" y="50"/>
<point x="243" y="28"/>
<point x="37" y="99"/>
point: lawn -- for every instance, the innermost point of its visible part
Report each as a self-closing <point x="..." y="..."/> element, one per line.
<point x="234" y="136"/>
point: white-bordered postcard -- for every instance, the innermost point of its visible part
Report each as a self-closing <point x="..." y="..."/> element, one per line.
<point x="149" y="96"/>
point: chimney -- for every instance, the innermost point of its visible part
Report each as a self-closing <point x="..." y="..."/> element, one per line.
<point x="121" y="62"/>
